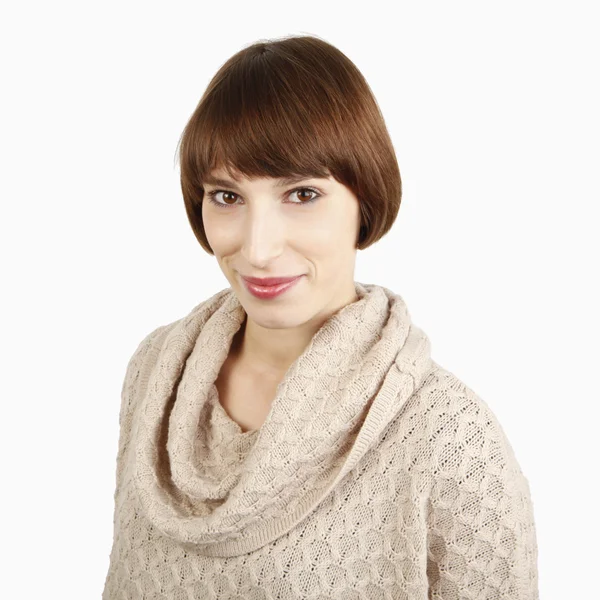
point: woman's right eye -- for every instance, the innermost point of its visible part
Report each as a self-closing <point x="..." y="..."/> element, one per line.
<point x="211" y="196"/>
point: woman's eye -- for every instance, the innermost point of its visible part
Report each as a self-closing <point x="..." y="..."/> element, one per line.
<point x="212" y="194"/>
<point x="307" y="191"/>
<point x="229" y="198"/>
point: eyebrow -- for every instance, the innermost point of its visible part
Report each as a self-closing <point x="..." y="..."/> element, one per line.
<point x="281" y="181"/>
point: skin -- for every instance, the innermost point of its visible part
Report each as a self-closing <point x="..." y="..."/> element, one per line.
<point x="264" y="229"/>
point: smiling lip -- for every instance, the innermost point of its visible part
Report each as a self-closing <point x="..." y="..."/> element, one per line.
<point x="269" y="280"/>
<point x="266" y="292"/>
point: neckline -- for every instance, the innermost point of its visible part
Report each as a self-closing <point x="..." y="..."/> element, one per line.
<point x="225" y="418"/>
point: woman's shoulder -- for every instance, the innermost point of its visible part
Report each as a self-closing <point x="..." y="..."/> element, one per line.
<point x="456" y="425"/>
<point x="150" y="341"/>
<point x="139" y="367"/>
<point x="147" y="350"/>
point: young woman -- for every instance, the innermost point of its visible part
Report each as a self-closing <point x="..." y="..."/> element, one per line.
<point x="292" y="437"/>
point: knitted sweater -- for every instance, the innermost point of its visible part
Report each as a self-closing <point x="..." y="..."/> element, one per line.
<point x="377" y="474"/>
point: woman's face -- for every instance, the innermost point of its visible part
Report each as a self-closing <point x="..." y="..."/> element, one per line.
<point x="270" y="228"/>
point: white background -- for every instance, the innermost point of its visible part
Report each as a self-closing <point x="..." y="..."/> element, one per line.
<point x="493" y="111"/>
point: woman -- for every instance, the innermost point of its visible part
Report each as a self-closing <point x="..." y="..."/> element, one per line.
<point x="296" y="440"/>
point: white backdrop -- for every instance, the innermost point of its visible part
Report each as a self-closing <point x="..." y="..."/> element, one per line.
<point x="493" y="111"/>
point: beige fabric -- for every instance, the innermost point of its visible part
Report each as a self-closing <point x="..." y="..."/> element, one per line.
<point x="377" y="473"/>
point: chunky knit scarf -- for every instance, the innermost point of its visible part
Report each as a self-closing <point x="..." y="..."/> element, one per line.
<point x="204" y="510"/>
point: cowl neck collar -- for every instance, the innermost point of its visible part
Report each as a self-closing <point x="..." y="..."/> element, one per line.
<point x="333" y="403"/>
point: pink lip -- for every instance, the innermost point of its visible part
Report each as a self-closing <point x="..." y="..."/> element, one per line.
<point x="269" y="280"/>
<point x="266" y="292"/>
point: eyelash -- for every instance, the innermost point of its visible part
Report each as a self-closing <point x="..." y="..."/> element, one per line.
<point x="211" y="197"/>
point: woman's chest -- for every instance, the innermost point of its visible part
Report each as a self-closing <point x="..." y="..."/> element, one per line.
<point x="366" y="540"/>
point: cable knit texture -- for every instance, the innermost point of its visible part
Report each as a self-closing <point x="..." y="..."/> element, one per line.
<point x="377" y="474"/>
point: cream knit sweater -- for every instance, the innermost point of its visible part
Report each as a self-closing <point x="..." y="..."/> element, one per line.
<point x="376" y="475"/>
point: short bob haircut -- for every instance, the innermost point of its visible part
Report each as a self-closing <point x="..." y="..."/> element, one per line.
<point x="292" y="106"/>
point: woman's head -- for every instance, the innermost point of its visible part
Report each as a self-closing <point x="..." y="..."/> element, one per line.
<point x="294" y="108"/>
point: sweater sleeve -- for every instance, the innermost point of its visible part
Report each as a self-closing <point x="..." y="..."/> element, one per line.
<point x="136" y="378"/>
<point x="481" y="540"/>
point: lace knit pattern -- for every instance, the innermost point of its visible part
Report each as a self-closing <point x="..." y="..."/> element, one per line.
<point x="437" y="508"/>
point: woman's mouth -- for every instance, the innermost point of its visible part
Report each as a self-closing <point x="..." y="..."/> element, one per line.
<point x="266" y="292"/>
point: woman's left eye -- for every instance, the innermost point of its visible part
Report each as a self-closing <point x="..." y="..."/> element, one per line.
<point x="309" y="190"/>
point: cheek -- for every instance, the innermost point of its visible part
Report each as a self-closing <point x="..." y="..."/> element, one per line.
<point x="317" y="238"/>
<point x="332" y="233"/>
<point x="217" y="233"/>
<point x="327" y="230"/>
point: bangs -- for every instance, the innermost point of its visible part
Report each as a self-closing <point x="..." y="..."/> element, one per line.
<point x="257" y="127"/>
<point x="269" y="116"/>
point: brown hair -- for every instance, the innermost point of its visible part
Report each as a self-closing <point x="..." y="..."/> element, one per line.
<point x="292" y="106"/>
